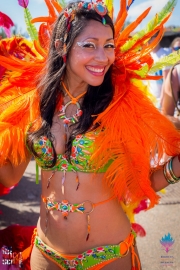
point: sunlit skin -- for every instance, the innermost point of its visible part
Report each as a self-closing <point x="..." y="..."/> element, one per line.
<point x="90" y="57"/>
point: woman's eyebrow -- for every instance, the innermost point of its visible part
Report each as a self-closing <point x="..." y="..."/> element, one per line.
<point x="98" y="38"/>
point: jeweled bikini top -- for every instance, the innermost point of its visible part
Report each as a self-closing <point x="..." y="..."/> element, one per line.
<point x="82" y="149"/>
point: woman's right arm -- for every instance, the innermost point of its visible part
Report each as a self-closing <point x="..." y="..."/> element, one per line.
<point x="10" y="174"/>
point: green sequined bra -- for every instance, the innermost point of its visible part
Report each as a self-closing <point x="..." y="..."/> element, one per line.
<point x="82" y="149"/>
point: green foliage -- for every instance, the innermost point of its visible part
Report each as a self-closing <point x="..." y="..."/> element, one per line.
<point x="30" y="27"/>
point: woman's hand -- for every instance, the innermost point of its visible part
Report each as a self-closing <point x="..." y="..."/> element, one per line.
<point x="11" y="174"/>
<point x="158" y="179"/>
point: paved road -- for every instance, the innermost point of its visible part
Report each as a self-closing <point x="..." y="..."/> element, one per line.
<point x="22" y="206"/>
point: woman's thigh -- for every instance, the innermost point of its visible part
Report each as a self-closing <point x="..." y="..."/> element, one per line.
<point x="39" y="262"/>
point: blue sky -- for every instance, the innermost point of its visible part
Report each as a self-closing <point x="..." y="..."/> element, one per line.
<point x="37" y="8"/>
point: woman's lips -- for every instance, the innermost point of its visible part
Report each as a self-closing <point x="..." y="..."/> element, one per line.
<point x="97" y="71"/>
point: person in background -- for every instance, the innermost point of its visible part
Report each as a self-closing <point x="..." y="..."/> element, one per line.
<point x="175" y="45"/>
<point x="171" y="95"/>
<point x="156" y="86"/>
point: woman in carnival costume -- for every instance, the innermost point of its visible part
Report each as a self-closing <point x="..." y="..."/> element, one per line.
<point x="90" y="127"/>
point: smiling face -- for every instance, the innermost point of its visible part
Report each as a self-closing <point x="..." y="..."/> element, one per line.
<point x="91" y="55"/>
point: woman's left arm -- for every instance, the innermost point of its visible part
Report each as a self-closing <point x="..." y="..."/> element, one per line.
<point x="158" y="179"/>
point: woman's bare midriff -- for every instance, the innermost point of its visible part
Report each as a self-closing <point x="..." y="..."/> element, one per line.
<point x="109" y="224"/>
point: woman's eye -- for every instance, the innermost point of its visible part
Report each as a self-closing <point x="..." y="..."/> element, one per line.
<point x="109" y="46"/>
<point x="89" y="45"/>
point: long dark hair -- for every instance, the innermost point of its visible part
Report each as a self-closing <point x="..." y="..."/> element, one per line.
<point x="95" y="100"/>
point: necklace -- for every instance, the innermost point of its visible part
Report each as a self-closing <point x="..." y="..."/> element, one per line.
<point x="74" y="100"/>
<point x="67" y="120"/>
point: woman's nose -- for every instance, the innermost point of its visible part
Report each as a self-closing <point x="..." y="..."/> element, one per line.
<point x="101" y="55"/>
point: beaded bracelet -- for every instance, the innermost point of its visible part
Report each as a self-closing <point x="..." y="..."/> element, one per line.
<point x="169" y="174"/>
<point x="171" y="170"/>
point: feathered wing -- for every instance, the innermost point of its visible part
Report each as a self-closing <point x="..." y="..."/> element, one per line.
<point x="21" y="61"/>
<point x="133" y="129"/>
<point x="19" y="99"/>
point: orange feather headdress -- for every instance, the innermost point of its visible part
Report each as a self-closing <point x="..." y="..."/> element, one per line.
<point x="133" y="130"/>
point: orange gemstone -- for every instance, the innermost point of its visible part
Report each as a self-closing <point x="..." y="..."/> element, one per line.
<point x="65" y="202"/>
<point x="56" y="206"/>
<point x="44" y="199"/>
<point x="80" y="113"/>
<point x="66" y="121"/>
<point x="73" y="208"/>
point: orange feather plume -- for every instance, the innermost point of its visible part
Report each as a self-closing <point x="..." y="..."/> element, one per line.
<point x="126" y="32"/>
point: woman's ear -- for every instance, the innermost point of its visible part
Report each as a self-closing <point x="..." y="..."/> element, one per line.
<point x="58" y="45"/>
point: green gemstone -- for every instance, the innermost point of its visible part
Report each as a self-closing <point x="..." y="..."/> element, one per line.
<point x="103" y="20"/>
